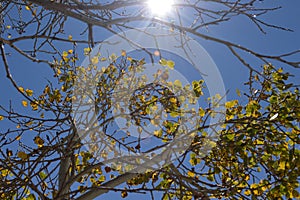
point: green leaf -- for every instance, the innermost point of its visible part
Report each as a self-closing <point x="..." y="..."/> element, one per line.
<point x="30" y="197"/>
<point x="170" y="64"/>
<point x="42" y="175"/>
<point x="230" y="136"/>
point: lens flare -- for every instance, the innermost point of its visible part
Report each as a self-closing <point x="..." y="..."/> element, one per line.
<point x="160" y="7"/>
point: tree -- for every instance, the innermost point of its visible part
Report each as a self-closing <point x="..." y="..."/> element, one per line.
<point x="257" y="136"/>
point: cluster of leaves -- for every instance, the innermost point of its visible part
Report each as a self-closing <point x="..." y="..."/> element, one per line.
<point x="256" y="156"/>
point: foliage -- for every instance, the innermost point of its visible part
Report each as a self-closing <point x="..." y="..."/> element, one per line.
<point x="256" y="156"/>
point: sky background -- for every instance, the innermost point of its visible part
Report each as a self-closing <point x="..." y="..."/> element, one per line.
<point x="275" y="42"/>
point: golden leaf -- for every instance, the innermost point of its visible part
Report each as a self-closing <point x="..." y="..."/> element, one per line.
<point x="24" y="103"/>
<point x="29" y="92"/>
<point x="21" y="89"/>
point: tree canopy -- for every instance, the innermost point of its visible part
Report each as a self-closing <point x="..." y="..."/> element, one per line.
<point x="104" y="123"/>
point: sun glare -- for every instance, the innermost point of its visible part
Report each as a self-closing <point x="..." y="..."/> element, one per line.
<point x="160" y="7"/>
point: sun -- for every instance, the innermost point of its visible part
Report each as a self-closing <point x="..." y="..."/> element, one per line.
<point x="160" y="7"/>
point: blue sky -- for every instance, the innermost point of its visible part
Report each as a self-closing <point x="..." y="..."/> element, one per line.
<point x="233" y="73"/>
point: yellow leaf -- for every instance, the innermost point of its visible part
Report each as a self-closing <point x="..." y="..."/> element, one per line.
<point x="70" y="51"/>
<point x="163" y="62"/>
<point x="18" y="137"/>
<point x="102" y="178"/>
<point x="22" y="155"/>
<point x="157" y="133"/>
<point x="103" y="59"/>
<point x="173" y="100"/>
<point x="191" y="174"/>
<point x="129" y="58"/>
<point x="70" y="37"/>
<point x="29" y="92"/>
<point x="21" y="89"/>
<point x="34" y="105"/>
<point x="34" y="12"/>
<point x="201" y="112"/>
<point x="24" y="103"/>
<point x="178" y="83"/>
<point x="87" y="50"/>
<point x="27" y="7"/>
<point x="255" y="192"/>
<point x="65" y="54"/>
<point x="170" y="64"/>
<point x="113" y="57"/>
<point x="230" y="104"/>
<point x="282" y="165"/>
<point x="247" y="177"/>
<point x="174" y="114"/>
<point x="247" y="192"/>
<point x="1" y="117"/>
<point x="95" y="60"/>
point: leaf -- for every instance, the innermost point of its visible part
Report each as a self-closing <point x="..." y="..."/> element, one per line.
<point x="201" y="112"/>
<point x="24" y="103"/>
<point x="1" y="117"/>
<point x="87" y="50"/>
<point x="29" y="92"/>
<point x="102" y="178"/>
<point x="174" y="114"/>
<point x="173" y="100"/>
<point x="170" y="64"/>
<point x="178" y="83"/>
<point x="39" y="141"/>
<point x="113" y="57"/>
<point x="124" y="194"/>
<point x="230" y="136"/>
<point x="282" y="165"/>
<point x="163" y="62"/>
<point x="123" y="53"/>
<point x="22" y="155"/>
<point x="95" y="60"/>
<point x="191" y="174"/>
<point x="34" y="105"/>
<point x="42" y="175"/>
<point x="103" y="59"/>
<point x="70" y="37"/>
<point x="65" y="54"/>
<point x="21" y="89"/>
<point x="157" y="133"/>
<point x="231" y="104"/>
<point x="247" y="192"/>
<point x="129" y="58"/>
<point x="210" y="178"/>
<point x="238" y="92"/>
